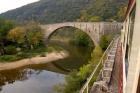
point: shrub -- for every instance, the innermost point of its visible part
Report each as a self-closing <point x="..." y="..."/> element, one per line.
<point x="105" y="41"/>
<point x="6" y="58"/>
<point x="75" y="80"/>
<point x="10" y="50"/>
<point x="96" y="55"/>
<point x="23" y="55"/>
<point x="85" y="71"/>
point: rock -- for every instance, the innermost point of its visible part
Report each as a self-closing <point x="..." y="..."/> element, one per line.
<point x="99" y="87"/>
<point x="18" y="49"/>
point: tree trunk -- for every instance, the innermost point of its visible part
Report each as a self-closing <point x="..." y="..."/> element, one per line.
<point x="2" y="50"/>
<point x="32" y="47"/>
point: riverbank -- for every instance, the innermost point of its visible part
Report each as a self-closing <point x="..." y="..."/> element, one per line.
<point x="34" y="60"/>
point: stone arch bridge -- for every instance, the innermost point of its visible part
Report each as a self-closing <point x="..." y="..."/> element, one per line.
<point x="94" y="29"/>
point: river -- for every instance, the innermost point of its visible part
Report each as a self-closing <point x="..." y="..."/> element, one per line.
<point x="42" y="78"/>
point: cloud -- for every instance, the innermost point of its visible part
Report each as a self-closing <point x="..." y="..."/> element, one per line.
<point x="6" y="5"/>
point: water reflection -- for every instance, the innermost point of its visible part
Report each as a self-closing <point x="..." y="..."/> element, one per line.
<point x="29" y="81"/>
<point x="41" y="78"/>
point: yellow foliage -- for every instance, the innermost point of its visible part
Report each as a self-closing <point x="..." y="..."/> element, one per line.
<point x="16" y="34"/>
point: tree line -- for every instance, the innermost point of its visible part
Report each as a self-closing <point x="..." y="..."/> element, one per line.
<point x="15" y="39"/>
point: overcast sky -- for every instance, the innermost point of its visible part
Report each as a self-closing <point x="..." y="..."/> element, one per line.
<point x="6" y="5"/>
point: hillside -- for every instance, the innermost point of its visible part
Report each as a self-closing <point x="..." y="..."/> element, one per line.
<point x="52" y="11"/>
<point x="106" y="10"/>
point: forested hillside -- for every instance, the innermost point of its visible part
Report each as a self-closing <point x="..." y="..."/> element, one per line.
<point x="105" y="10"/>
<point x="52" y="11"/>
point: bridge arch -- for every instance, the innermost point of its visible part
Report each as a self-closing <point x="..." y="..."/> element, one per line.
<point x="93" y="29"/>
<point x="55" y="30"/>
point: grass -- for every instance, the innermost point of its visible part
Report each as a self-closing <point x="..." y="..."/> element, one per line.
<point x="29" y="53"/>
<point x="7" y="58"/>
<point x="54" y="48"/>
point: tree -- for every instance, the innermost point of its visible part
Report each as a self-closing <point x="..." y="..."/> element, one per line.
<point x="30" y="35"/>
<point x="95" y="19"/>
<point x="121" y="13"/>
<point x="84" y="16"/>
<point x="75" y="80"/>
<point x="96" y="55"/>
<point x="5" y="26"/>
<point x="17" y="35"/>
<point x="82" y="39"/>
<point x="33" y="35"/>
<point x="105" y="41"/>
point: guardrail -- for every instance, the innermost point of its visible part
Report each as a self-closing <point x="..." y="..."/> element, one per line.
<point x="86" y="87"/>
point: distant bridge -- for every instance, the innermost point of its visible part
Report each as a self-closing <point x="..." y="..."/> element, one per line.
<point x="93" y="29"/>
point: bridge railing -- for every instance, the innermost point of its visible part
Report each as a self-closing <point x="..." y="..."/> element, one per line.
<point x="87" y="86"/>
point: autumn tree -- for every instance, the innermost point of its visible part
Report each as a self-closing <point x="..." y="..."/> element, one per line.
<point x="33" y="35"/>
<point x="30" y="35"/>
<point x="17" y="35"/>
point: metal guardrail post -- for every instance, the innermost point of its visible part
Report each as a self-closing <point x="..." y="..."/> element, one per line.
<point x="87" y="88"/>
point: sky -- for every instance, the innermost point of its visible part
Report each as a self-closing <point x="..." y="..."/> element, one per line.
<point x="6" y="5"/>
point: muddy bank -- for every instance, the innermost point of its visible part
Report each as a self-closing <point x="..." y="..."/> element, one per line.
<point x="35" y="60"/>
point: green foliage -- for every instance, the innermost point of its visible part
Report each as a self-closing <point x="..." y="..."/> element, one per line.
<point x="84" y="16"/>
<point x="84" y="71"/>
<point x="10" y="50"/>
<point x="65" y="32"/>
<point x="28" y="38"/>
<point x="73" y="83"/>
<point x="76" y="79"/>
<point x="23" y="55"/>
<point x="7" y="58"/>
<point x="104" y="10"/>
<point x="5" y="26"/>
<point x="82" y="39"/>
<point x="33" y="35"/>
<point x="59" y="88"/>
<point x="73" y="35"/>
<point x="52" y="11"/>
<point x="96" y="55"/>
<point x="54" y="48"/>
<point x="105" y="41"/>
<point x="95" y="19"/>
<point x="49" y="11"/>
<point x="121" y="13"/>
<point x="30" y="35"/>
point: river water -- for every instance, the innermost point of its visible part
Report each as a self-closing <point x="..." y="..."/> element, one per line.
<point x="42" y="78"/>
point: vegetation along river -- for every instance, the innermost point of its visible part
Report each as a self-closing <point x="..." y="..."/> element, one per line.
<point x="43" y="77"/>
